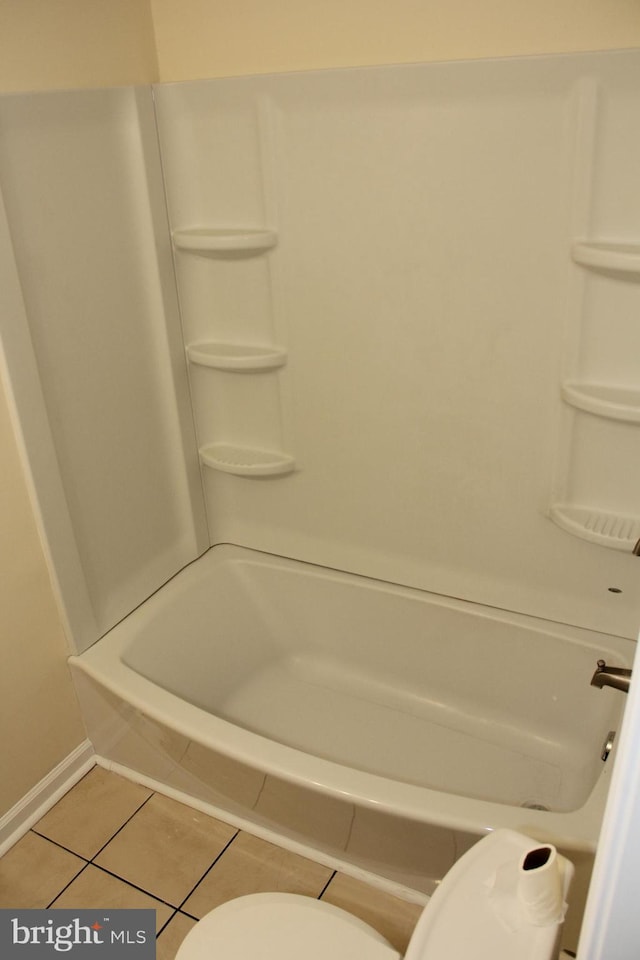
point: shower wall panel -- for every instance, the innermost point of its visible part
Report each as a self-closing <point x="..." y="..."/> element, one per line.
<point x="409" y="299"/>
<point x="401" y="239"/>
<point x="92" y="340"/>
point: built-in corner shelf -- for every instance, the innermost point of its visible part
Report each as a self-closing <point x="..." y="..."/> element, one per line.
<point x="246" y="461"/>
<point x="617" y="257"/>
<point x="220" y="242"/>
<point x="605" y="529"/>
<point x="239" y="357"/>
<point x="615" y="403"/>
<point x="602" y="447"/>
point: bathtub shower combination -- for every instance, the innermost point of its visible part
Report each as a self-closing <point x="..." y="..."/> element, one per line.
<point x="328" y="390"/>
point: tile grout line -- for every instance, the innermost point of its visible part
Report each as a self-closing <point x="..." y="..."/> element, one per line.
<point x="207" y="872"/>
<point x="326" y="886"/>
<point x="67" y="885"/>
<point x="61" y="846"/>
<point x="179" y="911"/>
<point x="90" y="862"/>
<point x="128" y="884"/>
<point x="190" y="915"/>
<point x="166" y="924"/>
<point x="175" y="910"/>
<point x="81" y="856"/>
<point x="134" y="886"/>
<point x="120" y="828"/>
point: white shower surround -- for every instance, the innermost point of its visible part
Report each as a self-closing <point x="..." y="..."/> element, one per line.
<point x="445" y="257"/>
<point x="407" y="298"/>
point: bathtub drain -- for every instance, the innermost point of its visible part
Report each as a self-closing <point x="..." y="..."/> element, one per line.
<point x="532" y="805"/>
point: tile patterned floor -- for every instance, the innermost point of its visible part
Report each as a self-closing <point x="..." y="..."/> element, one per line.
<point x="113" y="843"/>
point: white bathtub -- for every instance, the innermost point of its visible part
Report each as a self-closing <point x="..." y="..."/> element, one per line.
<point x="385" y="725"/>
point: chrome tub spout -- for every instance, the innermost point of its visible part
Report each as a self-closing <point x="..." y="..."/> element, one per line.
<point x="606" y="676"/>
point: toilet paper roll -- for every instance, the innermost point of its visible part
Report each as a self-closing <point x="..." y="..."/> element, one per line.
<point x="540" y="888"/>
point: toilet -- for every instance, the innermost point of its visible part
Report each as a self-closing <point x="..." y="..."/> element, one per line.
<point x="503" y="900"/>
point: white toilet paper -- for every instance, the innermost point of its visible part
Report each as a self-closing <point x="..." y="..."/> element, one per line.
<point x="530" y="891"/>
<point x="539" y="889"/>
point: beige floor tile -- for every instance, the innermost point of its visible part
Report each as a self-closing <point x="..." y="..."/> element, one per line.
<point x="251" y="865"/>
<point x="395" y="919"/>
<point x="166" y="848"/>
<point x="172" y="936"/>
<point x="91" y="812"/>
<point x="95" y="888"/>
<point x="34" y="871"/>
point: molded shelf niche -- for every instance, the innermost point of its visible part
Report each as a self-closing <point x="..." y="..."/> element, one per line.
<point x="211" y="242"/>
<point x="236" y="356"/>
<point x="246" y="461"/>
<point x="617" y="257"/>
<point x="597" y="526"/>
<point x="615" y="403"/>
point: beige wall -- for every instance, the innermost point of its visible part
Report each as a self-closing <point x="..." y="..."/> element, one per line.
<point x="55" y="44"/>
<point x="47" y="44"/>
<point x="211" y="38"/>
<point x="40" y="719"/>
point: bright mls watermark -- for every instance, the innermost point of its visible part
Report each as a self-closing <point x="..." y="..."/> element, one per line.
<point x="78" y="934"/>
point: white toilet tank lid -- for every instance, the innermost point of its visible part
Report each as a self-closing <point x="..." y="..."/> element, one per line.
<point x="283" y="926"/>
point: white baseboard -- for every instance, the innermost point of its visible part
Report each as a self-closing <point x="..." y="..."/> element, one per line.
<point x="27" y="811"/>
